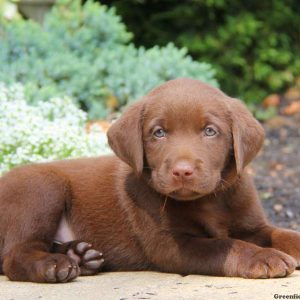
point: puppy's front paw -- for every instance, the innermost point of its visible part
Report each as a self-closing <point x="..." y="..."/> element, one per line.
<point x="55" y="268"/>
<point x="269" y="263"/>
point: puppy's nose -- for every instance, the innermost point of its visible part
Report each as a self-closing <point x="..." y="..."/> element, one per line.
<point x="183" y="169"/>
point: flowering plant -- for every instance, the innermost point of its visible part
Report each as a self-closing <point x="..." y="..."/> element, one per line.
<point x="47" y="131"/>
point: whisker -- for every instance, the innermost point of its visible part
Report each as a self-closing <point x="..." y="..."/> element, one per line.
<point x="223" y="180"/>
<point x="224" y="183"/>
<point x="163" y="207"/>
<point x="150" y="180"/>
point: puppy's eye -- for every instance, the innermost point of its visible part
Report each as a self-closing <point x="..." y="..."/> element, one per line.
<point x="210" y="131"/>
<point x="159" y="133"/>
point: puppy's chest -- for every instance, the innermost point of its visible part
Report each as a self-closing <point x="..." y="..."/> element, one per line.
<point x="214" y="227"/>
<point x="209" y="219"/>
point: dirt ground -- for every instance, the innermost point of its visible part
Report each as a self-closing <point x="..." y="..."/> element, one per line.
<point x="277" y="171"/>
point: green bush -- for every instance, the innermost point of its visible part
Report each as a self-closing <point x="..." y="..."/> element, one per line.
<point x="85" y="52"/>
<point x="48" y="131"/>
<point x="254" y="45"/>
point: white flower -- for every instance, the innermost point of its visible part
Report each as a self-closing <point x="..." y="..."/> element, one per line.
<point x="48" y="131"/>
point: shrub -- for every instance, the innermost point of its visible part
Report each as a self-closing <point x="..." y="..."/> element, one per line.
<point x="253" y="45"/>
<point x="48" y="131"/>
<point x="142" y="69"/>
<point x="84" y="52"/>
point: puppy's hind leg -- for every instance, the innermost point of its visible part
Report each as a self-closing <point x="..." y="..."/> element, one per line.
<point x="32" y="201"/>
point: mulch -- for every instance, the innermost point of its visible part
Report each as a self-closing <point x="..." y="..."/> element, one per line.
<point x="277" y="171"/>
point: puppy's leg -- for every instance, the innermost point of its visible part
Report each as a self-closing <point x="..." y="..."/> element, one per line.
<point x="31" y="261"/>
<point x="222" y="257"/>
<point x="89" y="260"/>
<point x="32" y="201"/>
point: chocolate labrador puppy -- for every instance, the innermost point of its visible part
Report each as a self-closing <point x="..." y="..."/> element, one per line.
<point x="176" y="198"/>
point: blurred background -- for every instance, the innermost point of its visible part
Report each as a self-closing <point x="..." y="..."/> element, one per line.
<point x="69" y="67"/>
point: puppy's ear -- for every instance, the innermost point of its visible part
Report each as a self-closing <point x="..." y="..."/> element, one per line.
<point x="125" y="137"/>
<point x="247" y="133"/>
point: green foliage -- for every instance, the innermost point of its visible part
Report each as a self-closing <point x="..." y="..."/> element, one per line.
<point x="85" y="52"/>
<point x="136" y="71"/>
<point x="263" y="114"/>
<point x="48" y="131"/>
<point x="254" y="45"/>
<point x="86" y="29"/>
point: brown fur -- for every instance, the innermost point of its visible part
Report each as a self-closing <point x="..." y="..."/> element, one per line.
<point x="138" y="211"/>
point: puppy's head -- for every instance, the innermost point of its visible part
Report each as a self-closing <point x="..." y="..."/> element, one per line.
<point x="190" y="137"/>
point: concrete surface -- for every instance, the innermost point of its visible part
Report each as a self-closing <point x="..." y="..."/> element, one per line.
<point x="151" y="285"/>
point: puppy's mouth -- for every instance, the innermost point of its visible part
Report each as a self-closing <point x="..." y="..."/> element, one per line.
<point x="184" y="194"/>
<point x="186" y="189"/>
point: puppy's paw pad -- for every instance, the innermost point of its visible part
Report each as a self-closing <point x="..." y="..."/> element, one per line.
<point x="89" y="260"/>
<point x="91" y="254"/>
<point x="82" y="247"/>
